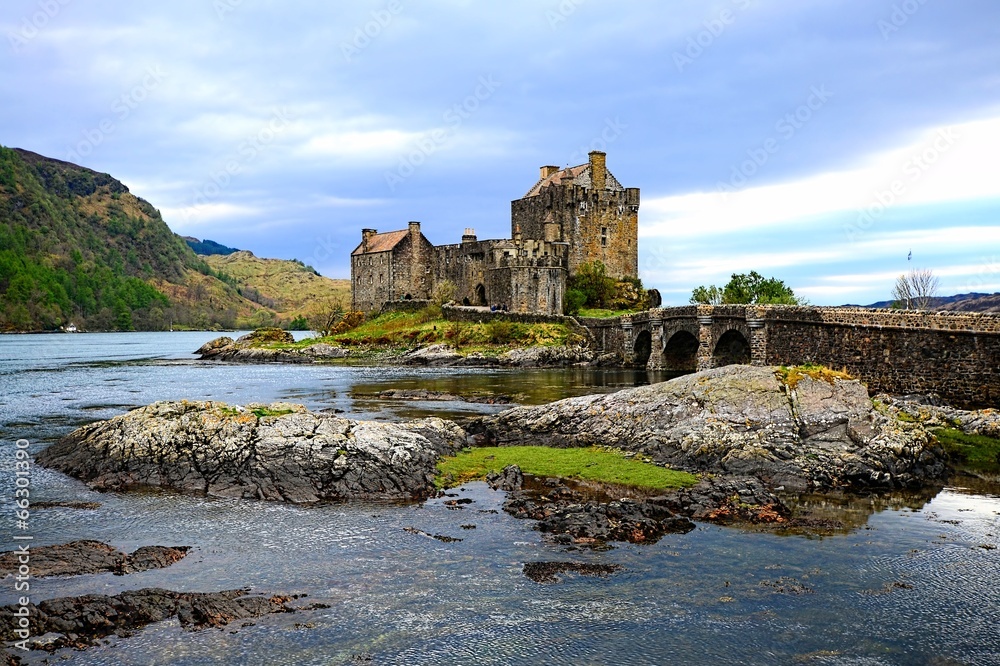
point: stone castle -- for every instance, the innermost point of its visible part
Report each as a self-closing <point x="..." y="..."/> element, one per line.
<point x="570" y="217"/>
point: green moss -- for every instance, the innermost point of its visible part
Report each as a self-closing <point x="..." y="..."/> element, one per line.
<point x="261" y="412"/>
<point x="975" y="451"/>
<point x="791" y="376"/>
<point x="590" y="464"/>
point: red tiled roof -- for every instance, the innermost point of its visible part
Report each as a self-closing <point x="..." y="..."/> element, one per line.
<point x="383" y="242"/>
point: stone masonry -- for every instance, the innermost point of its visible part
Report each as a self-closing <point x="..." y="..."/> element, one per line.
<point x="569" y="217"/>
<point x="953" y="354"/>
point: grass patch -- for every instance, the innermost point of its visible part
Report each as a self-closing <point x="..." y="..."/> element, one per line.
<point x="603" y="313"/>
<point x="589" y="464"/>
<point x="975" y="451"/>
<point x="791" y="376"/>
<point x="261" y="412"/>
<point x="412" y="329"/>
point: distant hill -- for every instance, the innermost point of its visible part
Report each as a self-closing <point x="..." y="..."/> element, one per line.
<point x="972" y="302"/>
<point x="77" y="247"/>
<point x="288" y="287"/>
<point x="207" y="247"/>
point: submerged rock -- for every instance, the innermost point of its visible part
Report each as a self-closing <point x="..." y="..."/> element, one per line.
<point x="274" y="452"/>
<point x="90" y="557"/>
<point x="82" y="621"/>
<point x="548" y="572"/>
<point x="738" y="420"/>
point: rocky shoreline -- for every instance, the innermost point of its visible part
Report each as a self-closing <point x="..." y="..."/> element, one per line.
<point x="748" y="433"/>
<point x="256" y="348"/>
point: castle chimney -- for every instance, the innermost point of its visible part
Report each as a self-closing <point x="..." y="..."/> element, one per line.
<point x="414" y="228"/>
<point x="548" y="171"/>
<point x="469" y="236"/>
<point x="598" y="170"/>
<point x="365" y="235"/>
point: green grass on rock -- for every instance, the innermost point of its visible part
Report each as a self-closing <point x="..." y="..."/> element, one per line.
<point x="589" y="464"/>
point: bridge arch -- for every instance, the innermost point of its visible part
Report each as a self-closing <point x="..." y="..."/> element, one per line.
<point x="680" y="353"/>
<point x="643" y="348"/>
<point x="732" y="348"/>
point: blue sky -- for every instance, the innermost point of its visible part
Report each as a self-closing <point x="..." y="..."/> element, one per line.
<point x="818" y="142"/>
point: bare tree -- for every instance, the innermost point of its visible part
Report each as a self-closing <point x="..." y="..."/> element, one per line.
<point x="916" y="289"/>
<point x="327" y="317"/>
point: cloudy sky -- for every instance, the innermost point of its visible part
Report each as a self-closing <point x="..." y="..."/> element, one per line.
<point x="819" y="142"/>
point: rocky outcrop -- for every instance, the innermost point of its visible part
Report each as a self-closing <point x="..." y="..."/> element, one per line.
<point x="274" y="452"/>
<point x="520" y="357"/>
<point x="546" y="357"/>
<point x="930" y="412"/>
<point x="256" y="348"/>
<point x="81" y="621"/>
<point x="738" y="420"/>
<point x="90" y="557"/>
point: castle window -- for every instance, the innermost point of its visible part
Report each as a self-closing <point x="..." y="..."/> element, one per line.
<point x="604" y="236"/>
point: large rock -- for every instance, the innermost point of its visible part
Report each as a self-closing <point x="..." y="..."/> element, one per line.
<point x="738" y="420"/>
<point x="540" y="357"/>
<point x="275" y="452"/>
<point x="89" y="557"/>
<point x="81" y="622"/>
<point x="257" y="347"/>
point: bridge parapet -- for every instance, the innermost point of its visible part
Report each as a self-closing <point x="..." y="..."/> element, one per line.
<point x="954" y="354"/>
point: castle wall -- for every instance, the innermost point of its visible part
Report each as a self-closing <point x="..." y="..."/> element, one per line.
<point x="529" y="286"/>
<point x="371" y="277"/>
<point x="598" y="225"/>
<point x="466" y="265"/>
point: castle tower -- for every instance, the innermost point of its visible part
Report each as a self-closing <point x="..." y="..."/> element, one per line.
<point x="586" y="208"/>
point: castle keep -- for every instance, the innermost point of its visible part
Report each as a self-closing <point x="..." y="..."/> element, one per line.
<point x="568" y="218"/>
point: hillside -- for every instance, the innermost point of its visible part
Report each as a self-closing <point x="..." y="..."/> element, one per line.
<point x="77" y="247"/>
<point x="289" y="288"/>
<point x="207" y="246"/>
<point x="972" y="302"/>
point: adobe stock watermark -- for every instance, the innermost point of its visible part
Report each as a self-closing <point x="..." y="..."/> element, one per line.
<point x="224" y="8"/>
<point x="433" y="141"/>
<point x="912" y="170"/>
<point x="612" y="130"/>
<point x="562" y="12"/>
<point x="121" y="108"/>
<point x="901" y="14"/>
<point x="786" y="127"/>
<point x="22" y="521"/>
<point x="365" y="34"/>
<point x="33" y="24"/>
<point x="713" y="28"/>
<point x="246" y="152"/>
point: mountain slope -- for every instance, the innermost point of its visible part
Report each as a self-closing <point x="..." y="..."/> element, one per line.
<point x="77" y="247"/>
<point x="971" y="302"/>
<point x="289" y="288"/>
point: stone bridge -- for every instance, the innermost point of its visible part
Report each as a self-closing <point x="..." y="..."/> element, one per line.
<point x="953" y="354"/>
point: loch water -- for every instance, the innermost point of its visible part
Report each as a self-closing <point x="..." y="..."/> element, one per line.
<point x="914" y="580"/>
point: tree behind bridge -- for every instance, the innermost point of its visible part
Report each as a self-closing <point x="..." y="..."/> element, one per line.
<point x="747" y="289"/>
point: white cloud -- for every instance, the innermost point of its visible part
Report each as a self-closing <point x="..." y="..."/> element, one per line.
<point x="188" y="218"/>
<point x="943" y="164"/>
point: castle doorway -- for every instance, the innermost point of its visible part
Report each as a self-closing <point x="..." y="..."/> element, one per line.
<point x="480" y="294"/>
<point x="732" y="348"/>
<point x="680" y="354"/>
<point x="643" y="348"/>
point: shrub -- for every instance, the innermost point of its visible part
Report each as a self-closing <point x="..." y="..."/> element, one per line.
<point x="500" y="331"/>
